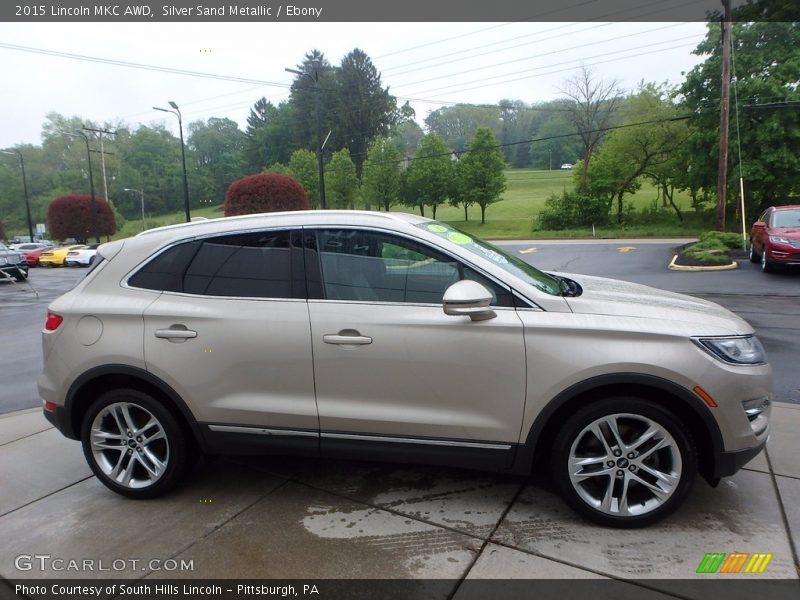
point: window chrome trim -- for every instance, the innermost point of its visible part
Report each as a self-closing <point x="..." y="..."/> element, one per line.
<point x="419" y="441"/>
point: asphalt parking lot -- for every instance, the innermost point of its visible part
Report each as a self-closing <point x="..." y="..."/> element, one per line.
<point x="316" y="520"/>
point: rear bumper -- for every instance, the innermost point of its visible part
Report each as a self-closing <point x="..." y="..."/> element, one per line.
<point x="60" y="419"/>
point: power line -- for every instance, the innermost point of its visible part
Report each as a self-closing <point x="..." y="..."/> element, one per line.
<point x="132" y="65"/>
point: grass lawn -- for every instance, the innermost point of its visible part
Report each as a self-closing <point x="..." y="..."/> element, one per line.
<point x="513" y="217"/>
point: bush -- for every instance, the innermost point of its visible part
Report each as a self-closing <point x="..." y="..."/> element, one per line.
<point x="710" y="249"/>
<point x="70" y="216"/>
<point x="725" y="238"/>
<point x="265" y="192"/>
<point x="571" y="209"/>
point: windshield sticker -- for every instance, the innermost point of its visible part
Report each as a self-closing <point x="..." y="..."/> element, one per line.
<point x="492" y="255"/>
<point x="436" y="228"/>
<point x="459" y="238"/>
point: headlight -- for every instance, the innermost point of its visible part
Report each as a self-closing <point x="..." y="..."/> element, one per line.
<point x="776" y="239"/>
<point x="740" y="350"/>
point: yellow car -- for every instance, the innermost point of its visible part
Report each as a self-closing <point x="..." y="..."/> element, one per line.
<point x="57" y="256"/>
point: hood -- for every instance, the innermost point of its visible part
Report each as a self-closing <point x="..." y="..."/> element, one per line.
<point x="603" y="296"/>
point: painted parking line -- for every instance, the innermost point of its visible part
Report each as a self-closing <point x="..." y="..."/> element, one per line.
<point x="528" y="250"/>
<point x="625" y="249"/>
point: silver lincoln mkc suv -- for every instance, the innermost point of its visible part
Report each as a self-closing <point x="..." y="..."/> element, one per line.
<point x="394" y="337"/>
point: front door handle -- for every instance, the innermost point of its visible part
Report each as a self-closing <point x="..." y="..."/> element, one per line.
<point x="176" y="333"/>
<point x="347" y="337"/>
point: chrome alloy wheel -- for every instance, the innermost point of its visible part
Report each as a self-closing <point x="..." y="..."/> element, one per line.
<point x="129" y="445"/>
<point x="624" y="465"/>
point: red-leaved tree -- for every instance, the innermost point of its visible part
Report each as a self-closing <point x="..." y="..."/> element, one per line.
<point x="265" y="192"/>
<point x="71" y="217"/>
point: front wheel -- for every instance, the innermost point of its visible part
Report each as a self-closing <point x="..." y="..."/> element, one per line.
<point x="624" y="462"/>
<point x="766" y="265"/>
<point x="133" y="444"/>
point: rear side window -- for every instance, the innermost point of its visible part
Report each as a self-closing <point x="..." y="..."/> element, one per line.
<point x="250" y="265"/>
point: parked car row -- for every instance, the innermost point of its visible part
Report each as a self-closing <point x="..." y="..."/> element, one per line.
<point x="75" y="255"/>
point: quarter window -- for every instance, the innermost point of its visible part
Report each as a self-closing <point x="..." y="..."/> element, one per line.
<point x="250" y="265"/>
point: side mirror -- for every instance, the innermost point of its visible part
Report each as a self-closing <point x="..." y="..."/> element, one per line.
<point x="759" y="224"/>
<point x="468" y="298"/>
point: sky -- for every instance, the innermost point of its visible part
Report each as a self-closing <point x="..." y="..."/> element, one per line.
<point x="430" y="64"/>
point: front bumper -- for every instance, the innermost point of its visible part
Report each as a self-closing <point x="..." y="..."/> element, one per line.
<point x="728" y="463"/>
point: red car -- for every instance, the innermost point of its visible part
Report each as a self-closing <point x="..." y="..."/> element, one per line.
<point x="775" y="237"/>
<point x="32" y="256"/>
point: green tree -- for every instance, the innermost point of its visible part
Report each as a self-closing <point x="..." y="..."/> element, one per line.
<point x="365" y="108"/>
<point x="216" y="150"/>
<point x="457" y="124"/>
<point x="303" y="97"/>
<point x="430" y="175"/>
<point x="482" y="170"/>
<point x="303" y="167"/>
<point x="381" y="174"/>
<point x="341" y="181"/>
<point x="269" y="134"/>
<point x="458" y="190"/>
<point x="766" y="67"/>
<point x="639" y="152"/>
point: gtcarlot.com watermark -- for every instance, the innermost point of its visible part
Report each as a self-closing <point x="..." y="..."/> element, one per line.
<point x="47" y="562"/>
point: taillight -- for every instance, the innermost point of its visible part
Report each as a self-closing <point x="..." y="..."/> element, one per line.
<point x="73" y="253"/>
<point x="49" y="406"/>
<point x="53" y="321"/>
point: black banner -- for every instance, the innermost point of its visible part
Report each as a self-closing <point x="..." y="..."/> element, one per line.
<point x="405" y="11"/>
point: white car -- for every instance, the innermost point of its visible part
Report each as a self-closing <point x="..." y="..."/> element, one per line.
<point x="81" y="257"/>
<point x="567" y="166"/>
<point x="27" y="246"/>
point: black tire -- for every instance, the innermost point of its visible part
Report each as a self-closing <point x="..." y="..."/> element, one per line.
<point x="21" y="276"/>
<point x="171" y="451"/>
<point x="755" y="257"/>
<point x="766" y="265"/>
<point x="625" y="474"/>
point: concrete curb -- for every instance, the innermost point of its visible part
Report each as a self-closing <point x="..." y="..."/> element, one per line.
<point x="672" y="266"/>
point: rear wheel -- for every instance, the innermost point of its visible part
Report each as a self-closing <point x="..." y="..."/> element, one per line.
<point x="754" y="256"/>
<point x="624" y="462"/>
<point x="133" y="444"/>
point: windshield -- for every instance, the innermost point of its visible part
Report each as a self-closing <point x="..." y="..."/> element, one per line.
<point x="508" y="262"/>
<point x="786" y="218"/>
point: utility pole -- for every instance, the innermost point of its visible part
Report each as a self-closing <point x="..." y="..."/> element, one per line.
<point x="103" y="153"/>
<point x="724" y="116"/>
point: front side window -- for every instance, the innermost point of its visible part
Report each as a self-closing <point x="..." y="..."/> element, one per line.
<point x="250" y="265"/>
<point x="371" y="266"/>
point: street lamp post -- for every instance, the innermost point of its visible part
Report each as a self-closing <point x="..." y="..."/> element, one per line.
<point x="141" y="199"/>
<point x="79" y="133"/>
<point x="25" y="188"/>
<point x="176" y="111"/>
<point x="315" y="80"/>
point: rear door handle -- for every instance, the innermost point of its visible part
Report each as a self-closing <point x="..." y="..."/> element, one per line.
<point x="346" y="338"/>
<point x="176" y="333"/>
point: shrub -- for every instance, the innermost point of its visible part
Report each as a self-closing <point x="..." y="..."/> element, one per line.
<point x="726" y="238"/>
<point x="70" y="216"/>
<point x="571" y="209"/>
<point x="265" y="192"/>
